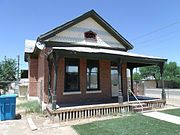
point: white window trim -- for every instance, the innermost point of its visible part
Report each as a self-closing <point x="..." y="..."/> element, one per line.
<point x="72" y="93"/>
<point x="93" y="91"/>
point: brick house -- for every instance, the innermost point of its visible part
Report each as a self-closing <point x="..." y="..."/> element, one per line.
<point x="83" y="61"/>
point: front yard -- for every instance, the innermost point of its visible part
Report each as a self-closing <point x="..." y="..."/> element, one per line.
<point x="129" y="125"/>
<point x="175" y="112"/>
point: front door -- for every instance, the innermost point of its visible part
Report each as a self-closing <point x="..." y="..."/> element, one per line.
<point x="114" y="81"/>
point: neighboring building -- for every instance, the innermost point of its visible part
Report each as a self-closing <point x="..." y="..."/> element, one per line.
<point x="23" y="84"/>
<point x="81" y="62"/>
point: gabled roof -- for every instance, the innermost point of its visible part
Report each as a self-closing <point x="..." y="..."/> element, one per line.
<point x="98" y="19"/>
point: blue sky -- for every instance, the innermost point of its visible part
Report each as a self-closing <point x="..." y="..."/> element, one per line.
<point x="153" y="26"/>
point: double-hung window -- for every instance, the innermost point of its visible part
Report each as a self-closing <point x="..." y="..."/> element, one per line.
<point x="71" y="75"/>
<point x="92" y="75"/>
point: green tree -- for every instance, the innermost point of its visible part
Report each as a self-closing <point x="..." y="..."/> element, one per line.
<point x="150" y="71"/>
<point x="136" y="76"/>
<point x="8" y="71"/>
<point x="171" y="71"/>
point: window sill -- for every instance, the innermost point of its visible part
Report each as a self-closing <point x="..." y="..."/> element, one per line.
<point x="72" y="93"/>
<point x="93" y="91"/>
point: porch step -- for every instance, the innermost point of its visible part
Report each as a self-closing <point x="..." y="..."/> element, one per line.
<point x="138" y="108"/>
<point x="135" y="105"/>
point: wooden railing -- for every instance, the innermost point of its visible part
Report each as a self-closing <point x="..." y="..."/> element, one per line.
<point x="156" y="103"/>
<point x="87" y="111"/>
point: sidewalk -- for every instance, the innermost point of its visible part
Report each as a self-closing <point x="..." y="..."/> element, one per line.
<point x="173" y="102"/>
<point x="163" y="117"/>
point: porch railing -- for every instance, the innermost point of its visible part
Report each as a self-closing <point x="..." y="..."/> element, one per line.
<point x="91" y="111"/>
<point x="135" y="98"/>
<point x="87" y="111"/>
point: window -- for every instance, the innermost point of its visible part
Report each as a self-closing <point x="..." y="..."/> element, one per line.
<point x="92" y="75"/>
<point x="90" y="35"/>
<point x="71" y="75"/>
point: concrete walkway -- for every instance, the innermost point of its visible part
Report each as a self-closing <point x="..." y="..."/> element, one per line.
<point x="163" y="117"/>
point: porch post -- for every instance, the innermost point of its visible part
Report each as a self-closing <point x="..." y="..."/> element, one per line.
<point x="120" y="97"/>
<point x="132" y="85"/>
<point x="49" y="80"/>
<point x="163" y="94"/>
<point x="55" y="63"/>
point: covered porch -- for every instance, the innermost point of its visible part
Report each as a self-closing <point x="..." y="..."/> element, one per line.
<point x="123" y="61"/>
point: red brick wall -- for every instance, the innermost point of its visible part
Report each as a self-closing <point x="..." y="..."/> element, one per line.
<point x="42" y="77"/>
<point x="60" y="80"/>
<point x="105" y="85"/>
<point x="39" y="72"/>
<point x="105" y="78"/>
<point x="124" y="80"/>
<point x="33" y="76"/>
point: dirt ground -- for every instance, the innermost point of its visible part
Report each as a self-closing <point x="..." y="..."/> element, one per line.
<point x="43" y="124"/>
<point x="44" y="127"/>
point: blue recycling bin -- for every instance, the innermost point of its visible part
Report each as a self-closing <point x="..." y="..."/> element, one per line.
<point x="7" y="106"/>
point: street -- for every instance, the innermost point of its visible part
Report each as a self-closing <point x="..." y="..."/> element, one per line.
<point x="170" y="93"/>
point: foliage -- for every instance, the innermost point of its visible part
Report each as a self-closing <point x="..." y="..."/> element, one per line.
<point x="171" y="72"/>
<point x="150" y="71"/>
<point x="30" y="106"/>
<point x="130" y="125"/>
<point x="8" y="69"/>
<point x="136" y="76"/>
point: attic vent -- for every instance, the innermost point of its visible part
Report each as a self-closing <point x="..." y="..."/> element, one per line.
<point x="90" y="35"/>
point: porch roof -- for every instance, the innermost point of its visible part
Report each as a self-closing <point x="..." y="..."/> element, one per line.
<point x="132" y="59"/>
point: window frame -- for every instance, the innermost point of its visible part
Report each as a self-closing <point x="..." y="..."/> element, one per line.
<point x="88" y="33"/>
<point x="98" y="77"/>
<point x="67" y="61"/>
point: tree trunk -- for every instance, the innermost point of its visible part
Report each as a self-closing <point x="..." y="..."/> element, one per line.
<point x="156" y="81"/>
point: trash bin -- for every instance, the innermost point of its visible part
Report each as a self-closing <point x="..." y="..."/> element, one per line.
<point x="7" y="106"/>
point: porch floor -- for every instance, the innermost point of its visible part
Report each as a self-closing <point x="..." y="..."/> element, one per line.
<point x="112" y="100"/>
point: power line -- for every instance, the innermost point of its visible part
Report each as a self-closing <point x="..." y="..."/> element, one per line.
<point x="159" y="37"/>
<point x="157" y="30"/>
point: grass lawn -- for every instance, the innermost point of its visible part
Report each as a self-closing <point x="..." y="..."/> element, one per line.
<point x="28" y="106"/>
<point x="173" y="112"/>
<point x="129" y="125"/>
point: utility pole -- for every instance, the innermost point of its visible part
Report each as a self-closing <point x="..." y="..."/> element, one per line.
<point x="16" y="90"/>
<point x="18" y="68"/>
